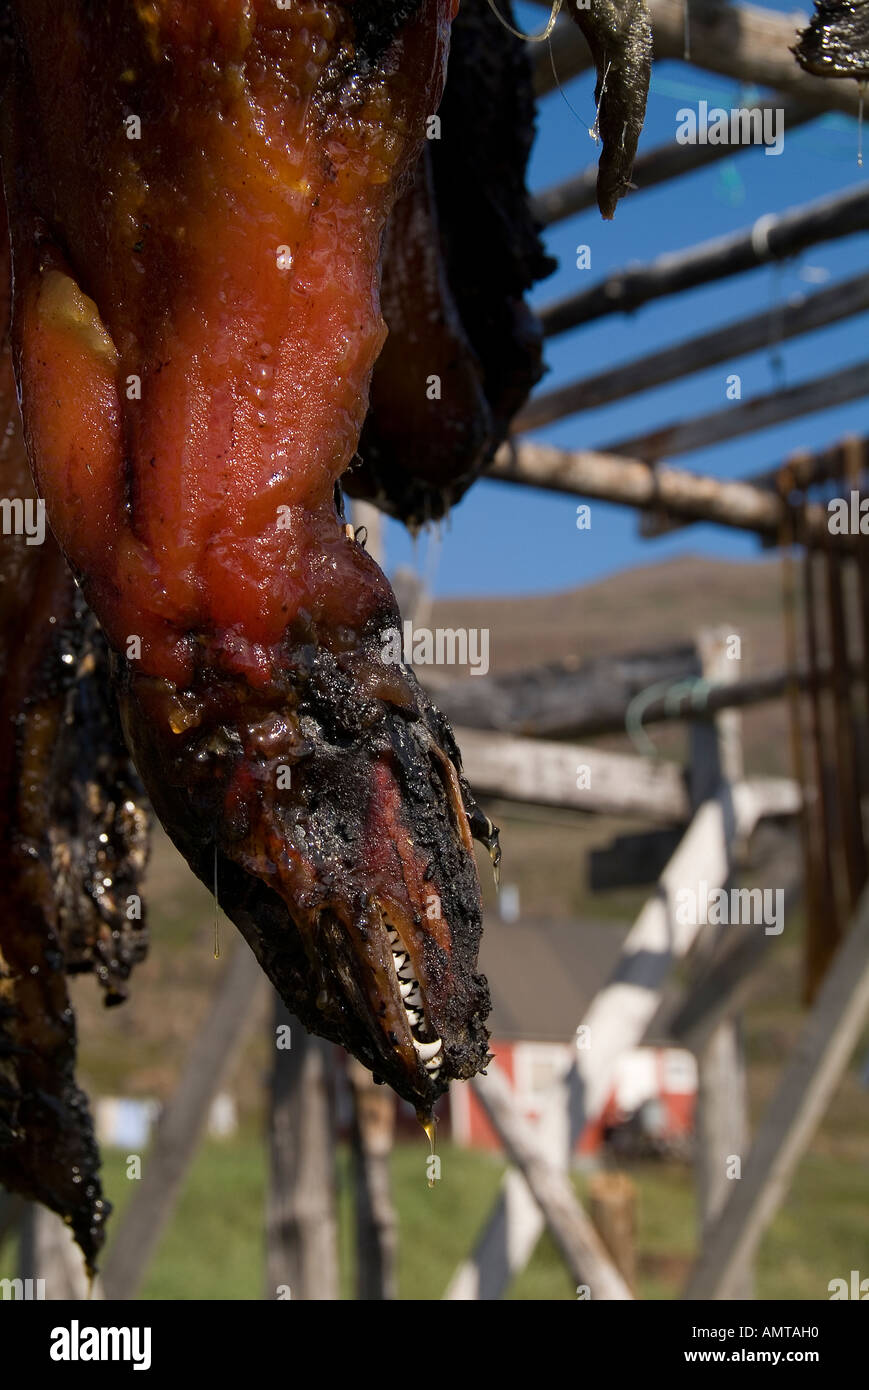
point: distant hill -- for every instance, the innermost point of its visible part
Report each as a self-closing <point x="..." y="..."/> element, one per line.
<point x="636" y="609"/>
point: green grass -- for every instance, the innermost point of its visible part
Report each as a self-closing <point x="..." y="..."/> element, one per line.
<point x="213" y="1249"/>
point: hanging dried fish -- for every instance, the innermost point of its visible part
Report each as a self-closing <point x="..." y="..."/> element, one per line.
<point x="72" y="844"/>
<point x="619" y="34"/>
<point x="196" y="238"/>
<point x="461" y="251"/>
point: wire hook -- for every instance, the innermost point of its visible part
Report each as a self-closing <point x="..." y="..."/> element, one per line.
<point x="530" y="38"/>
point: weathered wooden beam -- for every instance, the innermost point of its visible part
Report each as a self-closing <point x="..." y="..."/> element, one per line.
<point x="746" y="42"/>
<point x="758" y="413"/>
<point x="806" y="469"/>
<point x="774" y="796"/>
<point x="572" y="776"/>
<point x="772" y="237"/>
<point x="810" y="1077"/>
<point x="721" y="1121"/>
<point x="616" y="1021"/>
<point x="168" y="1160"/>
<point x="371" y="1142"/>
<point x="665" y="162"/>
<point x="594" y="698"/>
<point x="726" y="983"/>
<point x="550" y="1189"/>
<point x="558" y="699"/>
<point x="301" y="1205"/>
<point x="721" y="1130"/>
<point x="733" y="340"/>
<point x="612" y="1206"/>
<point x="634" y="483"/>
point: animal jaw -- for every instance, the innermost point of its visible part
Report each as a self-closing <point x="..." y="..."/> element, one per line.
<point x="342" y="827"/>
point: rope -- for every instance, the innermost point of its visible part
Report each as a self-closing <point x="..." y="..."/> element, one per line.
<point x="530" y="38"/>
<point x="695" y="689"/>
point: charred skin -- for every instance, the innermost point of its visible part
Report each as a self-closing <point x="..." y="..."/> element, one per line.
<point x="417" y="455"/>
<point x="47" y="1148"/>
<point x="100" y="822"/>
<point x="619" y="34"/>
<point x="461" y="251"/>
<point x="347" y="805"/>
<point x="836" y="41"/>
<point x="196" y="320"/>
<point x="72" y="850"/>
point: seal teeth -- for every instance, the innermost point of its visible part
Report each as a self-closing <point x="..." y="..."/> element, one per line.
<point x="429" y="1049"/>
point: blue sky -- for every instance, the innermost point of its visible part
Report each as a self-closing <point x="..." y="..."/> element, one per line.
<point x="504" y="540"/>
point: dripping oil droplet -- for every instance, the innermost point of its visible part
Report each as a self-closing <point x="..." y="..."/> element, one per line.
<point x="429" y="1124"/>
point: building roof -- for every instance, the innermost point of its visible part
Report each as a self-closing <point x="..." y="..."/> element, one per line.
<point x="543" y="974"/>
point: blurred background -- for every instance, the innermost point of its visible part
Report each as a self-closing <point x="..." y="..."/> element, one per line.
<point x="561" y="602"/>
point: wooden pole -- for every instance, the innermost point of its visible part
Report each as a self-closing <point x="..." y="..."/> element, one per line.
<point x="823" y="916"/>
<point x="572" y="775"/>
<point x="373" y="1136"/>
<point x="721" y="1119"/>
<point x="844" y="726"/>
<point x="758" y="413"/>
<point x="178" y="1132"/>
<point x="855" y="457"/>
<point x="810" y="1077"/>
<point x="560" y="698"/>
<point x="612" y="1206"/>
<point x="616" y="1021"/>
<point x="807" y="752"/>
<point x="802" y="469"/>
<point x="301" y="1209"/>
<point x="747" y="42"/>
<point x="723" y="988"/>
<point x="635" y="483"/>
<point x="594" y="699"/>
<point x="772" y="237"/>
<point x="725" y="344"/>
<point x="549" y="1185"/>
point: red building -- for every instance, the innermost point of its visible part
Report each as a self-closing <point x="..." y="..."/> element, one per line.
<point x="542" y="976"/>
